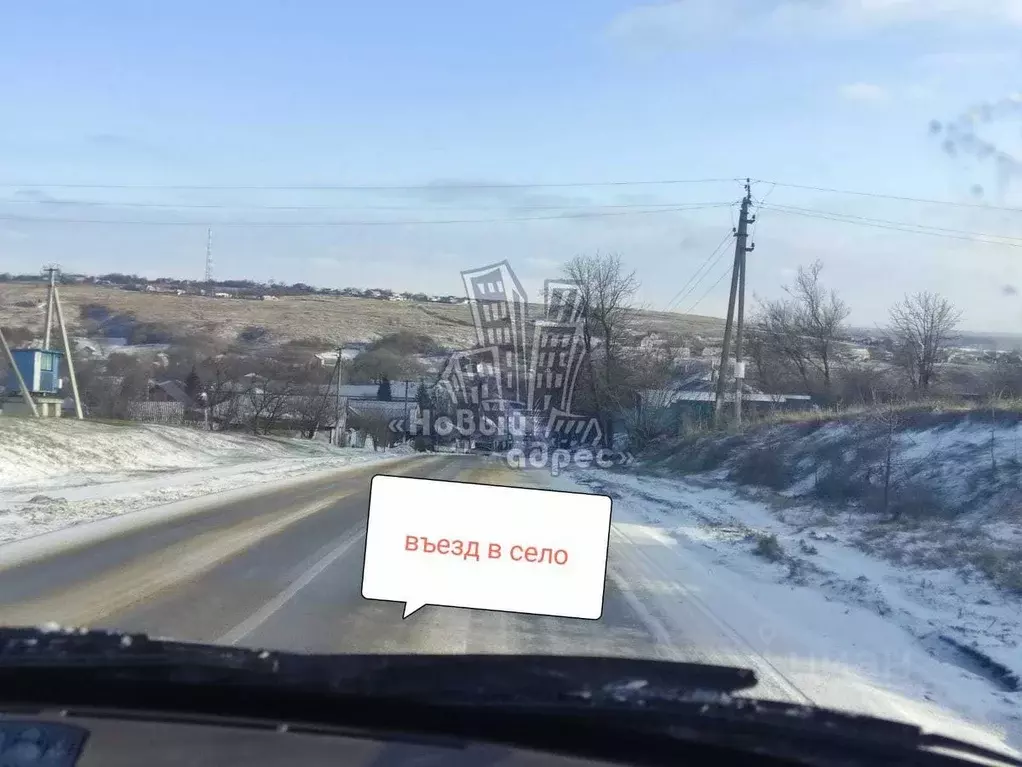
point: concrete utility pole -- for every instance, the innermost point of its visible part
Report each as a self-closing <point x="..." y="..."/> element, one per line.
<point x="52" y="272"/>
<point x="68" y="353"/>
<point x="337" y="399"/>
<point x="739" y="363"/>
<point x="404" y="437"/>
<point x="737" y="275"/>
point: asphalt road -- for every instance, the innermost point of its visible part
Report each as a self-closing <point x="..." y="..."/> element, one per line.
<point x="283" y="571"/>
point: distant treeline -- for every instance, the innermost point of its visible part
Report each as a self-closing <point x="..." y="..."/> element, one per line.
<point x="237" y="287"/>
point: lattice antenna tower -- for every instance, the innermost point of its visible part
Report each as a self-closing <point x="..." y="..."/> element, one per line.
<point x="209" y="261"/>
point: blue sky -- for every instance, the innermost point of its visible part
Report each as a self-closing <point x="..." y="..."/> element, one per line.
<point x="834" y="93"/>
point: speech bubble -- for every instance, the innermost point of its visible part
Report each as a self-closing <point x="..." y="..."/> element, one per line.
<point x="486" y="547"/>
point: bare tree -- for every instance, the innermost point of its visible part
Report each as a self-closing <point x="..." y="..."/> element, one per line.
<point x="223" y="389"/>
<point x="644" y="400"/>
<point x="372" y="365"/>
<point x="606" y="292"/>
<point x="802" y="330"/>
<point x="315" y="404"/>
<point x="269" y="396"/>
<point x="777" y="344"/>
<point x="821" y="316"/>
<point x="889" y="421"/>
<point x="1006" y="376"/>
<point x="134" y="388"/>
<point x="921" y="326"/>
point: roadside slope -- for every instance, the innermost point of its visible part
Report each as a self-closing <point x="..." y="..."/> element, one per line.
<point x="55" y="474"/>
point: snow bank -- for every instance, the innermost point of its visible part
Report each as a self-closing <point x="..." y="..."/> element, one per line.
<point x="910" y="522"/>
<point x="818" y="618"/>
<point x="34" y="450"/>
<point x="56" y="474"/>
<point x="939" y="490"/>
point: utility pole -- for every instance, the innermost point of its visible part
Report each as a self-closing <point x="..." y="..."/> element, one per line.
<point x="739" y="332"/>
<point x="741" y="235"/>
<point x="337" y="399"/>
<point x="404" y="437"/>
<point x="51" y="270"/>
<point x="69" y="355"/>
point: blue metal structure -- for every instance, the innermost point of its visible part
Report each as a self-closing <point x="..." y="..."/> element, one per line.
<point x="40" y="368"/>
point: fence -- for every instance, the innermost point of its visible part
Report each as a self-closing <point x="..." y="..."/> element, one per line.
<point x="157" y="412"/>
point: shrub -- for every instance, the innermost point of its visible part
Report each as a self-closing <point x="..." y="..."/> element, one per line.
<point x="766" y="466"/>
<point x="768" y="547"/>
<point x="253" y="334"/>
<point x="839" y="483"/>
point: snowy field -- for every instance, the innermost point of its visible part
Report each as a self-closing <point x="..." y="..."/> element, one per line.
<point x="56" y="474"/>
<point x="823" y="610"/>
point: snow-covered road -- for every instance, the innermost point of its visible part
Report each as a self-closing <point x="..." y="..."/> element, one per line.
<point x="282" y="569"/>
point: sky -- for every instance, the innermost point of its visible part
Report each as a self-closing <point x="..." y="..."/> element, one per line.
<point x="466" y="133"/>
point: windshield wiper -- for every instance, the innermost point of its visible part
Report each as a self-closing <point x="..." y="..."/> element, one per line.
<point x="478" y="678"/>
<point x="492" y="695"/>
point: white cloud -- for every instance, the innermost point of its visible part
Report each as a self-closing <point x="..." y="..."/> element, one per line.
<point x="682" y="22"/>
<point x="866" y="92"/>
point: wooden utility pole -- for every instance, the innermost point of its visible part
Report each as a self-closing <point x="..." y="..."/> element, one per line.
<point x="737" y="274"/>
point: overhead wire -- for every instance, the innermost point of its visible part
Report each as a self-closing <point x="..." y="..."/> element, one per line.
<point x="366" y="223"/>
<point x="243" y="206"/>
<point x="435" y="186"/>
<point x="881" y="196"/>
<point x="682" y="294"/>
<point x="709" y="290"/>
<point x="900" y="226"/>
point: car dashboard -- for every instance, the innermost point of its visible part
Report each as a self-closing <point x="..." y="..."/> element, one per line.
<point x="100" y="739"/>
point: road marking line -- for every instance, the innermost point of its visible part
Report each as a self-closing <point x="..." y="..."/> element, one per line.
<point x="664" y="646"/>
<point x="268" y="610"/>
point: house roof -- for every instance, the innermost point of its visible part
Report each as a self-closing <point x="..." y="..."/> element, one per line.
<point x="175" y="390"/>
<point x="370" y="391"/>
<point x="378" y="407"/>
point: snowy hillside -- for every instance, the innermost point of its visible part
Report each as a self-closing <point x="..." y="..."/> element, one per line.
<point x="924" y="487"/>
<point x="910" y="578"/>
<point x="56" y="473"/>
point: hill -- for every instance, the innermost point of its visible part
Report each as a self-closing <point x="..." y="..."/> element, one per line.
<point x="335" y="318"/>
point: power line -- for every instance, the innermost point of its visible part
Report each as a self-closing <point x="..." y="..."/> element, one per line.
<point x="438" y="186"/>
<point x="709" y="290"/>
<point x="448" y="186"/>
<point x="241" y="206"/>
<point x="890" y="196"/>
<point x="682" y="294"/>
<point x="871" y="220"/>
<point x="409" y="222"/>
<point x="900" y="226"/>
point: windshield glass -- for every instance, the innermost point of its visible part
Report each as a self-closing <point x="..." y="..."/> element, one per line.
<point x="681" y="330"/>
